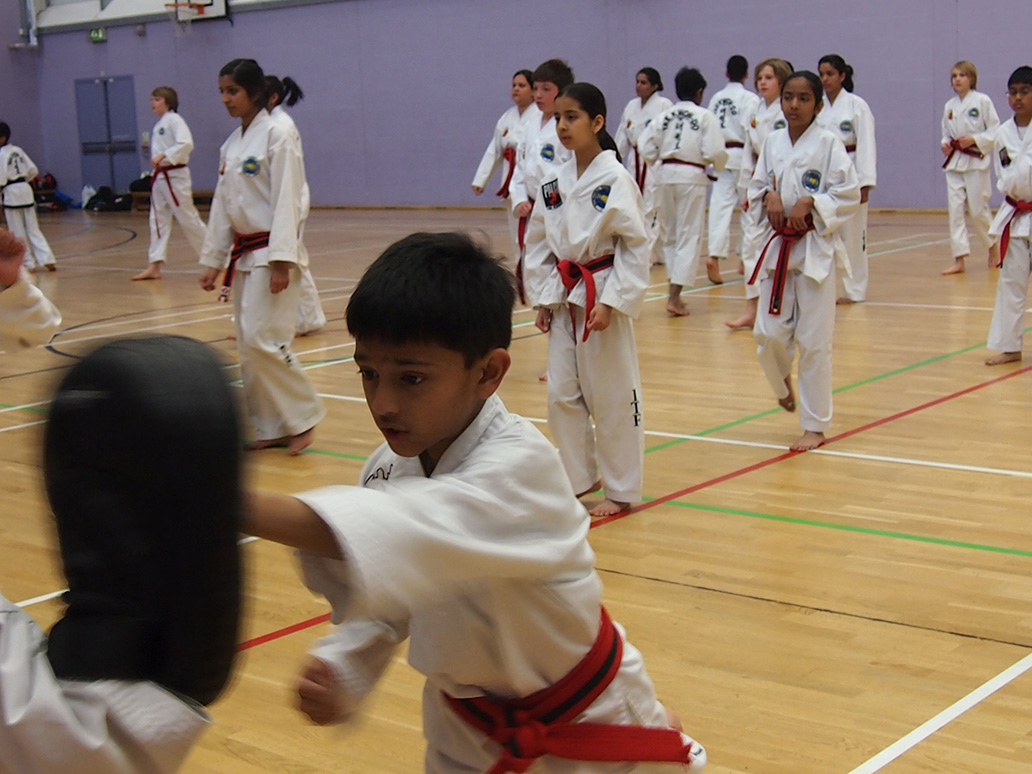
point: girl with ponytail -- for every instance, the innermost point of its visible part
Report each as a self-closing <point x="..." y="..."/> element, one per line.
<point x="588" y="264"/>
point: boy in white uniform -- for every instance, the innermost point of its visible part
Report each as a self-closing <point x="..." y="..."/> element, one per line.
<point x="805" y="187"/>
<point x="464" y="537"/>
<point x="19" y="201"/>
<point x="969" y="122"/>
<point x="680" y="143"/>
<point x="731" y="105"/>
<point x="27" y="318"/>
<point x="171" y="187"/>
<point x="1012" y="159"/>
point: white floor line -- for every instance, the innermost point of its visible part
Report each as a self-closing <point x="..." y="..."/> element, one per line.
<point x="930" y="306"/>
<point x="949" y="714"/>
<point x="909" y="247"/>
<point x="24" y="406"/>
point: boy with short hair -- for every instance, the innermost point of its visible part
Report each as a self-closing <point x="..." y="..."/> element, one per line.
<point x="1012" y="227"/>
<point x="465" y="535"/>
<point x="19" y="201"/>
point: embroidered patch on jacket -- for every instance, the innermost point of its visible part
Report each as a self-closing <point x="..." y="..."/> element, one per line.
<point x="973" y="112"/>
<point x="812" y="180"/>
<point x="548" y="152"/>
<point x="599" y="197"/>
<point x="846" y="127"/>
<point x="550" y="191"/>
<point x="752" y="123"/>
<point x="1005" y="158"/>
<point x="780" y="124"/>
<point x="950" y="116"/>
<point x="251" y="166"/>
<point x="161" y="130"/>
<point x="383" y="474"/>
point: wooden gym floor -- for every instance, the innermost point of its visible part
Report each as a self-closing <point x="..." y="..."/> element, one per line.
<point x="865" y="607"/>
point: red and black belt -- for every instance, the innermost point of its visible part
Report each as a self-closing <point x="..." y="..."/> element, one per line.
<point x="851" y="148"/>
<point x="789" y="236"/>
<point x="571" y="272"/>
<point x="509" y="154"/>
<point x="542" y="723"/>
<point x="242" y="243"/>
<point x="1020" y="207"/>
<point x="521" y="241"/>
<point x="641" y="169"/>
<point x="970" y="151"/>
<point x="733" y="144"/>
<point x="163" y="172"/>
<point x="690" y="164"/>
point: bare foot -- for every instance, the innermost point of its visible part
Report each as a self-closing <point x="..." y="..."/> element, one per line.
<point x="956" y="268"/>
<point x="808" y="440"/>
<point x="788" y="402"/>
<point x="1004" y="357"/>
<point x="268" y="443"/>
<point x="152" y="272"/>
<point x="543" y="377"/>
<point x="230" y="337"/>
<point x="742" y="323"/>
<point x="676" y="308"/>
<point x="593" y="488"/>
<point x="713" y="271"/>
<point x="844" y="301"/>
<point x="300" y="442"/>
<point x="672" y="720"/>
<point x="32" y="270"/>
<point x="741" y="269"/>
<point x="51" y="267"/>
<point x="608" y="508"/>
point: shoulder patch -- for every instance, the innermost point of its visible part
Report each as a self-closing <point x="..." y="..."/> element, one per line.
<point x="599" y="197"/>
<point x="251" y="166"/>
<point x="780" y="124"/>
<point x="550" y="191"/>
<point x="846" y="127"/>
<point x="548" y="152"/>
<point x="812" y="180"/>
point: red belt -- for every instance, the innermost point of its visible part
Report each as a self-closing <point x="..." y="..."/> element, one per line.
<point x="163" y="171"/>
<point x="509" y="154"/>
<point x="955" y="146"/>
<point x="242" y="243"/>
<point x="690" y="164"/>
<point x="521" y="241"/>
<point x="641" y="169"/>
<point x="570" y="272"/>
<point x="733" y="144"/>
<point x="851" y="148"/>
<point x="541" y="724"/>
<point x="1020" y="207"/>
<point x="789" y="236"/>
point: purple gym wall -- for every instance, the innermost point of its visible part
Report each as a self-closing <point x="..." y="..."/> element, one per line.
<point x="401" y="96"/>
<point x="19" y="87"/>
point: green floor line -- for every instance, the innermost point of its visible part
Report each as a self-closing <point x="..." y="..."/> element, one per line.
<point x="851" y="528"/>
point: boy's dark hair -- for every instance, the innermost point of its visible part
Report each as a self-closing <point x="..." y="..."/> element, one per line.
<point x="168" y="94"/>
<point x="1022" y="75"/>
<point x="554" y="71"/>
<point x="5" y="131"/>
<point x="438" y="288"/>
<point x="812" y="80"/>
<point x="737" y="68"/>
<point x="688" y="82"/>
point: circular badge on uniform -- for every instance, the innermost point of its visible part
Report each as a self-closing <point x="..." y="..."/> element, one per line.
<point x="599" y="197"/>
<point x="780" y="124"/>
<point x="812" y="180"/>
<point x="161" y="130"/>
<point x="251" y="166"/>
<point x="846" y="127"/>
<point x="548" y="152"/>
<point x="973" y="112"/>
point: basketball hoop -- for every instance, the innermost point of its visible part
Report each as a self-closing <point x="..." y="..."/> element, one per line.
<point x="182" y="13"/>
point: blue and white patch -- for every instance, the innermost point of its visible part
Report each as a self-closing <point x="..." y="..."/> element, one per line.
<point x="846" y="127"/>
<point x="251" y="166"/>
<point x="811" y="180"/>
<point x="548" y="152"/>
<point x="599" y="197"/>
<point x="780" y="124"/>
<point x="974" y="112"/>
<point x="161" y="130"/>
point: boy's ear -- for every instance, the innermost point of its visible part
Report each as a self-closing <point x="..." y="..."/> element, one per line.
<point x="493" y="370"/>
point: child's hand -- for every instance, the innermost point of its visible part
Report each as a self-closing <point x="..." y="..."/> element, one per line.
<point x="966" y="141"/>
<point x="207" y="279"/>
<point x="544" y="320"/>
<point x="775" y="209"/>
<point x="797" y="218"/>
<point x="318" y="695"/>
<point x="745" y="204"/>
<point x="523" y="209"/>
<point x="280" y="276"/>
<point x="599" y="318"/>
<point x="865" y="193"/>
<point x="478" y="190"/>
<point x="12" y="251"/>
<point x="947" y="148"/>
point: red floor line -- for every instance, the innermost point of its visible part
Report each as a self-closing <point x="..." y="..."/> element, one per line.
<point x="786" y="455"/>
<point x="675" y="495"/>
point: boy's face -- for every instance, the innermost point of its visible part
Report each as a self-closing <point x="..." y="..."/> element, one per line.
<point x="421" y="395"/>
<point x="960" y="81"/>
<point x="1019" y="95"/>
<point x="545" y="93"/>
<point x="158" y="105"/>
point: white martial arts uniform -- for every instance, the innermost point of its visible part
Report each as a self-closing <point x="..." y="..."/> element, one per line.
<point x="850" y="119"/>
<point x="260" y="188"/>
<point x="1012" y="159"/>
<point x="684" y="133"/>
<point x="507" y="134"/>
<point x="967" y="176"/>
<point x="171" y="136"/>
<point x="19" y="201"/>
<point x="581" y="219"/>
<point x="486" y="567"/>
<point x="310" y="316"/>
<point x="539" y="154"/>
<point x="732" y="106"/>
<point x="101" y="727"/>
<point x="763" y="120"/>
<point x="27" y="318"/>
<point x="818" y="166"/>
